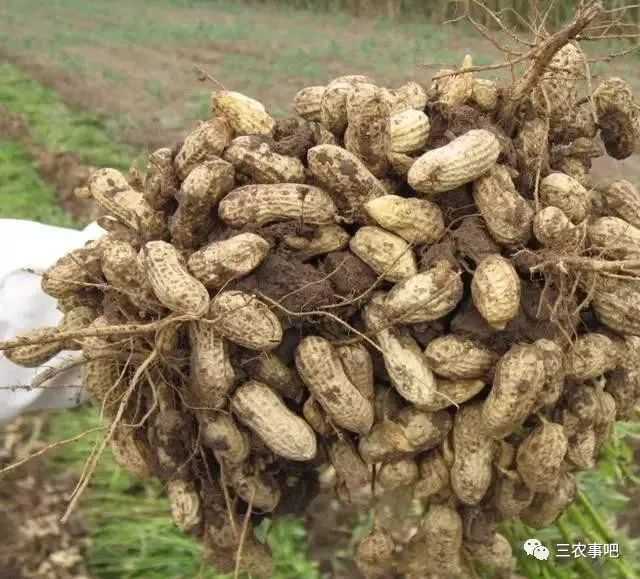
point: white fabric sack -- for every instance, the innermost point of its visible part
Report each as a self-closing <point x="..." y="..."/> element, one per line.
<point x="27" y="245"/>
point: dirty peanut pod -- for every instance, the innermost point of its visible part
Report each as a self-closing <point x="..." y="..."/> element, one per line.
<point x="307" y="102"/>
<point x="473" y="449"/>
<point x="212" y="375"/>
<point x="540" y="457"/>
<point x="409" y="131"/>
<point x="455" y="357"/>
<point x="321" y="369"/>
<point x="495" y="289"/>
<point x="623" y="199"/>
<point x="507" y="214"/>
<point x="344" y="176"/>
<point x="333" y="104"/>
<point x="615" y="237"/>
<point x="565" y="193"/>
<point x="170" y="280"/>
<point x="417" y="221"/>
<point x="387" y="254"/>
<point x="205" y="143"/>
<point x="554" y="229"/>
<point x="519" y="378"/>
<point x="243" y="319"/>
<point x="374" y="555"/>
<point x="246" y="116"/>
<point x="591" y="356"/>
<point x="254" y="157"/>
<point x="461" y="161"/>
<point x="426" y="296"/>
<point x="220" y="261"/>
<point x="262" y="410"/>
<point x="257" y="205"/>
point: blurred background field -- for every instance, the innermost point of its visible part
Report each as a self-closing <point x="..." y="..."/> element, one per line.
<point x="86" y="83"/>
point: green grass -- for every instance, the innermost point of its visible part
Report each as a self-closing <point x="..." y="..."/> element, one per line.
<point x="132" y="535"/>
<point x="55" y="126"/>
<point x="23" y="194"/>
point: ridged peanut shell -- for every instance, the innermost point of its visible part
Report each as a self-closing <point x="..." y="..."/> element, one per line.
<point x="540" y="457"/>
<point x="368" y="115"/>
<point x="555" y="372"/>
<point x="565" y="193"/>
<point x="212" y="375"/>
<point x="350" y="468"/>
<point x="452" y="392"/>
<point x="547" y="507"/>
<point x="246" y="116"/>
<point x="511" y="495"/>
<point x="554" y="229"/>
<point x="321" y="369"/>
<point x="205" y="185"/>
<point x="345" y="176"/>
<point x="410" y="95"/>
<point x="614" y="237"/>
<point x="617" y="117"/>
<point x="623" y="199"/>
<point x="519" y="378"/>
<point x="417" y="221"/>
<point x="374" y="554"/>
<point x="333" y="104"/>
<point x="437" y="547"/>
<point x="254" y="486"/>
<point x="485" y="94"/>
<point x="220" y="433"/>
<point x="205" y="143"/>
<point x="434" y="475"/>
<point x="410" y="431"/>
<point x="358" y="366"/>
<point x="590" y="356"/>
<point x="398" y="473"/>
<point x="409" y="131"/>
<point x="406" y="366"/>
<point x="254" y="157"/>
<point x="616" y="303"/>
<point x="271" y="370"/>
<point x="186" y="507"/>
<point x="496" y="555"/>
<point x="426" y="296"/>
<point x="496" y="290"/>
<point x="452" y="90"/>
<point x="170" y="280"/>
<point x="244" y="320"/>
<point x="81" y="265"/>
<point x="386" y="253"/>
<point x="307" y="102"/>
<point x="459" y="358"/>
<point x="461" y="161"/>
<point x="473" y="448"/>
<point x="262" y="410"/>
<point x="220" y="261"/>
<point x="326" y="238"/>
<point x="507" y="214"/>
<point x="132" y="452"/>
<point x="258" y="205"/>
<point x="161" y="180"/>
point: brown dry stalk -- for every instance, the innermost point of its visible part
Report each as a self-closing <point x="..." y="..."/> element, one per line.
<point x="103" y="332"/>
<point x="243" y="534"/>
<point x="542" y="55"/>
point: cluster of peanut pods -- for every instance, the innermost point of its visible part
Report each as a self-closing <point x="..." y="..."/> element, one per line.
<point x="392" y="292"/>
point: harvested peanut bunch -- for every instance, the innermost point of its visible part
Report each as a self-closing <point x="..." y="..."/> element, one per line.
<point x="403" y="292"/>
